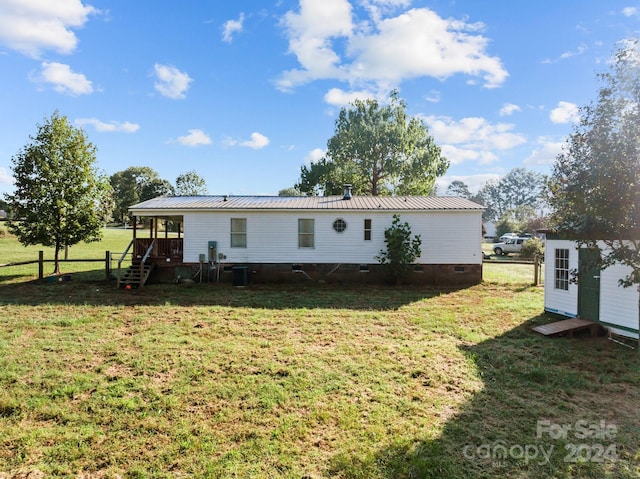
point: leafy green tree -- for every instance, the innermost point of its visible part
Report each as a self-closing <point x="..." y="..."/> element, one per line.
<point x="594" y="189"/>
<point x="131" y="186"/>
<point x="319" y="178"/>
<point x="58" y="192"/>
<point x="156" y="187"/>
<point x="520" y="187"/>
<point x="459" y="188"/>
<point x="190" y="184"/>
<point x="378" y="150"/>
<point x="292" y="191"/>
<point x="402" y="250"/>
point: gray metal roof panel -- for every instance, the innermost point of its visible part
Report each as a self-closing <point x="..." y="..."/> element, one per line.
<point x="406" y="203"/>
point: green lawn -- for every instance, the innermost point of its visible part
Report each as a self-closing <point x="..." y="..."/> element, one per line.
<point x="307" y="381"/>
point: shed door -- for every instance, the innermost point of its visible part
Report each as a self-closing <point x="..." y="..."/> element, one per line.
<point x="589" y="284"/>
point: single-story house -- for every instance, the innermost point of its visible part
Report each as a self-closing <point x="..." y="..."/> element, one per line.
<point x="594" y="293"/>
<point x="334" y="238"/>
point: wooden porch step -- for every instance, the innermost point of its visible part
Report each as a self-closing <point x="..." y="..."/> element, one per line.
<point x="135" y="276"/>
<point x="568" y="326"/>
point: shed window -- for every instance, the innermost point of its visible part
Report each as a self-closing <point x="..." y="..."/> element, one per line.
<point x="238" y="232"/>
<point x="561" y="269"/>
<point x="367" y="230"/>
<point x="305" y="233"/>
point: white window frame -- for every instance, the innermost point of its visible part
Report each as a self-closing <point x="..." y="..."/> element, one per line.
<point x="306" y="239"/>
<point x="238" y="227"/>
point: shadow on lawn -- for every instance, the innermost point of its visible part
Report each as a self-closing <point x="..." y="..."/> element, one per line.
<point x="276" y="296"/>
<point x="501" y="431"/>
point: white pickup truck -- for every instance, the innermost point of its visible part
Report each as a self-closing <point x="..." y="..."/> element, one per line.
<point x="512" y="245"/>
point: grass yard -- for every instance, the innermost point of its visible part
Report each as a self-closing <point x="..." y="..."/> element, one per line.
<point x="307" y="381"/>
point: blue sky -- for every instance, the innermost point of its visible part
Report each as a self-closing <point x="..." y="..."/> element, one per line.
<point x="246" y="92"/>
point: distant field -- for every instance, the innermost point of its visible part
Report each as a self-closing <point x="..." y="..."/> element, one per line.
<point x="114" y="240"/>
<point x="307" y="381"/>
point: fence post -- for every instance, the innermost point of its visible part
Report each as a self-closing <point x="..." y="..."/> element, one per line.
<point x="536" y="266"/>
<point x="107" y="265"/>
<point x="40" y="264"/>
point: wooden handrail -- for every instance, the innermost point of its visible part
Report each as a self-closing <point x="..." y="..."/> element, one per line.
<point x="144" y="258"/>
<point x="124" y="255"/>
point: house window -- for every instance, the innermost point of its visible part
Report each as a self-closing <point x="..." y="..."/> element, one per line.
<point x="367" y="230"/>
<point x="305" y="233"/>
<point x="339" y="225"/>
<point x="238" y="232"/>
<point x="562" y="269"/>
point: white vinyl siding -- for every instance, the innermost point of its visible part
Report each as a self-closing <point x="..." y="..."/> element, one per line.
<point x="618" y="305"/>
<point x="272" y="237"/>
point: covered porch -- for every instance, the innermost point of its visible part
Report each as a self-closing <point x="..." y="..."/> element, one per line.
<point x="155" y="247"/>
<point x="160" y="242"/>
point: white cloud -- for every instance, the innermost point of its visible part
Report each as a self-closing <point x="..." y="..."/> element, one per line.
<point x="383" y="51"/>
<point x="579" y="51"/>
<point x="63" y="79"/>
<point x="434" y="96"/>
<point x="257" y="141"/>
<point x="420" y="43"/>
<point x="194" y="138"/>
<point x="565" y="112"/>
<point x="5" y="177"/>
<point x="472" y="139"/>
<point x="457" y="155"/>
<point x="338" y="97"/>
<point x="310" y="39"/>
<point x="630" y="11"/>
<point x="473" y="182"/>
<point x="32" y="26"/>
<point x="314" y="156"/>
<point x="509" y="109"/>
<point x="545" y="154"/>
<point x="378" y="8"/>
<point x="231" y="27"/>
<point x="568" y="54"/>
<point x="171" y="82"/>
<point x="112" y="126"/>
<point x="474" y="132"/>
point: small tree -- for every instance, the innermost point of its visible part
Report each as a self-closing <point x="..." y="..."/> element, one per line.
<point x="402" y="250"/>
<point x="59" y="198"/>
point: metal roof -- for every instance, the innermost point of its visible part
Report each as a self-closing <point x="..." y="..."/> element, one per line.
<point x="173" y="204"/>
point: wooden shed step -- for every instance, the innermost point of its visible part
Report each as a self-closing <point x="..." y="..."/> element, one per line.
<point x="568" y="326"/>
